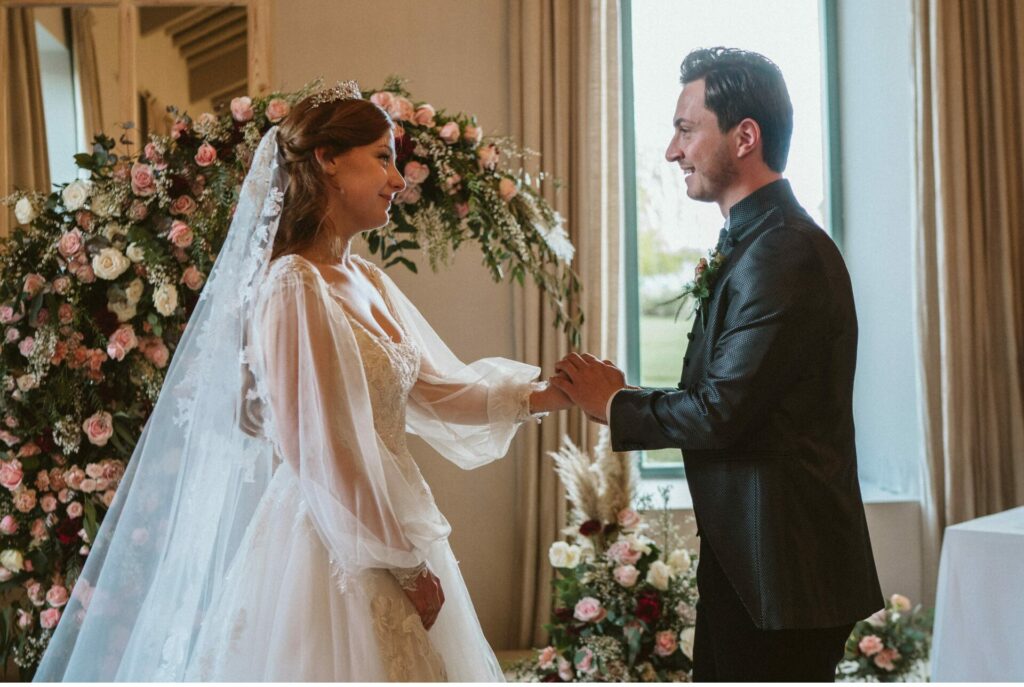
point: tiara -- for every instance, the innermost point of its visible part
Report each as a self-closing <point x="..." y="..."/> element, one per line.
<point x="343" y="90"/>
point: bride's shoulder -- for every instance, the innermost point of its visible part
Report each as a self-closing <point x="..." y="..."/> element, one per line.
<point x="290" y="272"/>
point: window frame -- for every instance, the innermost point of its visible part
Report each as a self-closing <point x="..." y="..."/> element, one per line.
<point x="829" y="29"/>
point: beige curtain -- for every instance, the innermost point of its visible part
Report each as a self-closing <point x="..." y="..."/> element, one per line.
<point x="87" y="71"/>
<point x="970" y="258"/>
<point x="565" y="106"/>
<point x="24" y="134"/>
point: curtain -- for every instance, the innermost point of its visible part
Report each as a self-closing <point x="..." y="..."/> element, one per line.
<point x="565" y="106"/>
<point x="969" y="271"/>
<point x="24" y="134"/>
<point x="87" y="71"/>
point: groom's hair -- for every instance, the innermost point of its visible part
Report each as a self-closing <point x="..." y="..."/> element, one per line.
<point x="338" y="126"/>
<point x="739" y="84"/>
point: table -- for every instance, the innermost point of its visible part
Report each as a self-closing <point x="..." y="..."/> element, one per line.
<point x="979" y="613"/>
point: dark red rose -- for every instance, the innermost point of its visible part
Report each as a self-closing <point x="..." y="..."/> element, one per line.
<point x="67" y="530"/>
<point x="610" y="529"/>
<point x="552" y="677"/>
<point x="648" y="608"/>
<point x="563" y="614"/>
<point x="404" y="147"/>
<point x="590" y="527"/>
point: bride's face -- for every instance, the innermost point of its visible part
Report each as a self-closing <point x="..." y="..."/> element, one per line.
<point x="364" y="182"/>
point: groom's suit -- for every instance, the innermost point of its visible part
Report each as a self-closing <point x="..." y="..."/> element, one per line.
<point x="763" y="415"/>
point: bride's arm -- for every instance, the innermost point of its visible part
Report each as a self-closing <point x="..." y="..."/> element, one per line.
<point x="472" y="403"/>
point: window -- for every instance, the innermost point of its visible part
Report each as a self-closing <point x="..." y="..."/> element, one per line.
<point x="667" y="233"/>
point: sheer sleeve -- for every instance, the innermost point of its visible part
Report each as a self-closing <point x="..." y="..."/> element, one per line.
<point x="469" y="412"/>
<point x="369" y="513"/>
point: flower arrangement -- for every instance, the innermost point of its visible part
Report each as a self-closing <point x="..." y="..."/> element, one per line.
<point x="699" y="289"/>
<point x="98" y="284"/>
<point x="890" y="646"/>
<point x="624" y="611"/>
<point x="458" y="190"/>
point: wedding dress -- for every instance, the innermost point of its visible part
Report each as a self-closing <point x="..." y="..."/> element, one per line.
<point x="271" y="505"/>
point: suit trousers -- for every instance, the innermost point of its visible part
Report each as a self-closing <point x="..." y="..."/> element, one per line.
<point x="728" y="647"/>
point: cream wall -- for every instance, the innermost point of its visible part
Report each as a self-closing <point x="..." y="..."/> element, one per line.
<point x="454" y="54"/>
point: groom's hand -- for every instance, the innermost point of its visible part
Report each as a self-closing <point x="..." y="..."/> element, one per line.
<point x="589" y="382"/>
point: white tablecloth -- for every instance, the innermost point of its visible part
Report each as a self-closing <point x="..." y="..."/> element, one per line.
<point x="979" y="613"/>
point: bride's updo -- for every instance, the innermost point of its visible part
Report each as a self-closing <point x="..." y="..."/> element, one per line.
<point x="337" y="126"/>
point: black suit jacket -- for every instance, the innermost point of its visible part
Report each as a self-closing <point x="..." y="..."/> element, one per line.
<point x="764" y="417"/>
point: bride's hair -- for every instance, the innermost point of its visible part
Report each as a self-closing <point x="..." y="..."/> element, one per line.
<point x="337" y="126"/>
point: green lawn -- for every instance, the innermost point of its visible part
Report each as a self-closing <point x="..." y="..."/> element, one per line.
<point x="662" y="344"/>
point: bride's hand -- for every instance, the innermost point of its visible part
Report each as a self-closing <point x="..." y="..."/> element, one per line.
<point x="549" y="399"/>
<point x="427" y="597"/>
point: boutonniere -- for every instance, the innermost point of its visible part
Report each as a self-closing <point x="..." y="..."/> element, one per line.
<point x="704" y="277"/>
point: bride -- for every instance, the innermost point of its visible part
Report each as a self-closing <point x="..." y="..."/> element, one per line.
<point x="273" y="525"/>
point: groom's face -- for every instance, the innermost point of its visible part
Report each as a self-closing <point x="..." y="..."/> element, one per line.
<point x="700" y="148"/>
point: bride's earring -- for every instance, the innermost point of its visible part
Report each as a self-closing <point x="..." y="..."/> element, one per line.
<point x="336" y="248"/>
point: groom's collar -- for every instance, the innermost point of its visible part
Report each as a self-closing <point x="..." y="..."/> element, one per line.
<point x="756" y="205"/>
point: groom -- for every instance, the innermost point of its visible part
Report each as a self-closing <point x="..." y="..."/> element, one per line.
<point x="763" y="412"/>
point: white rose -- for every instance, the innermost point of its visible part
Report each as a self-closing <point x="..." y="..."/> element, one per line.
<point x="75" y="194"/>
<point x="686" y="641"/>
<point x="659" y="575"/>
<point x="25" y="211"/>
<point x="124" y="311"/>
<point x="563" y="555"/>
<point x="110" y="264"/>
<point x="26" y="382"/>
<point x="165" y="298"/>
<point x="680" y="560"/>
<point x="639" y="543"/>
<point x="135" y="252"/>
<point x="12" y="560"/>
<point x="134" y="291"/>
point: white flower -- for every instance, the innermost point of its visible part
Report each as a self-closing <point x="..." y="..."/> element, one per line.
<point x="135" y="252"/>
<point x="900" y="602"/>
<point x="563" y="555"/>
<point x="124" y="311"/>
<point x="12" y="560"/>
<point x="558" y="240"/>
<point x="680" y="560"/>
<point x="104" y="205"/>
<point x="659" y="575"/>
<point x="165" y="298"/>
<point x="25" y="211"/>
<point x="686" y="642"/>
<point x="27" y="382"/>
<point x="134" y="291"/>
<point x="75" y="194"/>
<point x="639" y="543"/>
<point x="110" y="264"/>
<point x="112" y="231"/>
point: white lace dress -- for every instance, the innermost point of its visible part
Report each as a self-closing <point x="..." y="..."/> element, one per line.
<point x="291" y="611"/>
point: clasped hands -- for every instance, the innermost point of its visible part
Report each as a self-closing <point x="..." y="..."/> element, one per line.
<point x="586" y="382"/>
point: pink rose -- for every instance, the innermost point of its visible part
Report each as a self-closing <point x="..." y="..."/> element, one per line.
<point x="65" y="313"/>
<point x="886" y="658"/>
<point x="382" y="99"/>
<point x="26" y="346"/>
<point x="64" y="495"/>
<point x="472" y="134"/>
<point x="108" y="497"/>
<point x="628" y="519"/>
<point x="180" y="234"/>
<point x="488" y="156"/>
<point x="11" y="474"/>
<point x="410" y="195"/>
<point x="206" y="155"/>
<point x="241" y="109"/>
<point x="9" y="525"/>
<point x="61" y="285"/>
<point x="626" y="575"/>
<point x="57" y="596"/>
<point x="138" y="211"/>
<point x="143" y="180"/>
<point x="585" y="662"/>
<point x="34" y="283"/>
<point x="183" y="205"/>
<point x="74" y="477"/>
<point x="620" y="552"/>
<point x="546" y="658"/>
<point x="416" y="173"/>
<point x="88" y="485"/>
<point x="193" y="278"/>
<point x="24" y="500"/>
<point x="461" y="210"/>
<point x="451" y="184"/>
<point x="588" y="609"/>
<point x="25" y="619"/>
<point x="70" y="243"/>
<point x="665" y="643"/>
<point x="48" y="503"/>
<point x="49" y="618"/>
<point x="401" y="108"/>
<point x="8" y="438"/>
<point x="156" y="351"/>
<point x="870" y="645"/>
<point x="121" y="342"/>
<point x="565" y="670"/>
<point x="879" y="618"/>
<point x="98" y="428"/>
<point x="277" y="109"/>
<point x="507" y="189"/>
<point x="154" y="157"/>
<point x="424" y="115"/>
<point x="899" y="603"/>
<point x="450" y="133"/>
<point x="74" y="509"/>
<point x="12" y="335"/>
<point x="29" y="449"/>
<point x="38" y="529"/>
<point x="178" y="128"/>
